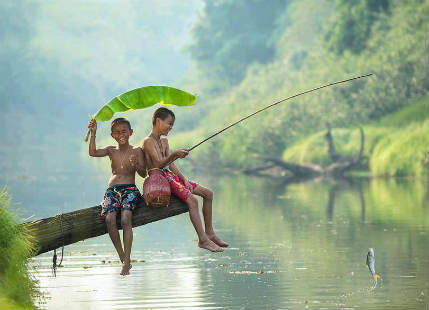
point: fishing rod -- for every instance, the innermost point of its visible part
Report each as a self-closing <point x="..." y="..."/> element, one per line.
<point x="276" y="103"/>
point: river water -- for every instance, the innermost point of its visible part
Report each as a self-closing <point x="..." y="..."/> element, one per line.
<point x="296" y="246"/>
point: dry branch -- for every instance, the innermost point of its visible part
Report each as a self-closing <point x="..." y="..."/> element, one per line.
<point x="340" y="164"/>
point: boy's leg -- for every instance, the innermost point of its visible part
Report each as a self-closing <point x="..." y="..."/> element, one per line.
<point x="127" y="229"/>
<point x="207" y="195"/>
<point x="204" y="241"/>
<point x="114" y="234"/>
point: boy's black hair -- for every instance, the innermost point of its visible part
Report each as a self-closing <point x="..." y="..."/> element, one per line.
<point x="162" y="113"/>
<point x="120" y="120"/>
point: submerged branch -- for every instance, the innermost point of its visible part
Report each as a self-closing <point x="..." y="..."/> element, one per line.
<point x="340" y="164"/>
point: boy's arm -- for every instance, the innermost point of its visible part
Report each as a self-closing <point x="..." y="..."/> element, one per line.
<point x="141" y="164"/>
<point x="173" y="167"/>
<point x="157" y="162"/>
<point x="177" y="172"/>
<point x="92" y="147"/>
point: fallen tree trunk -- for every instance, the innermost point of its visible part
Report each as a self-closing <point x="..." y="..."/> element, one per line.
<point x="340" y="164"/>
<point x="256" y="170"/>
<point x="67" y="228"/>
<point x="302" y="170"/>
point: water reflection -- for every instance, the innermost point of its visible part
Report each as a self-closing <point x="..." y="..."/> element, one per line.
<point x="300" y="246"/>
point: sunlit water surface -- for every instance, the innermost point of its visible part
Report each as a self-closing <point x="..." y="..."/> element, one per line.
<point x="298" y="246"/>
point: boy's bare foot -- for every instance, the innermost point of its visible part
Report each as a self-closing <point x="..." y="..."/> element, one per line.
<point x="210" y="245"/>
<point x="218" y="241"/>
<point x="125" y="270"/>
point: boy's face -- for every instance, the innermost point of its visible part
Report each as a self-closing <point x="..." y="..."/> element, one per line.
<point x="121" y="133"/>
<point x="164" y="126"/>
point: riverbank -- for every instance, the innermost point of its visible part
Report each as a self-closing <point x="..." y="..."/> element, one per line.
<point x="396" y="145"/>
<point x="18" y="288"/>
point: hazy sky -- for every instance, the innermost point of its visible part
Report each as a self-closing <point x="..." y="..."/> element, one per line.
<point x="116" y="41"/>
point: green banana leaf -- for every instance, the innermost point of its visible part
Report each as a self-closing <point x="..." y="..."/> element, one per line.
<point x="141" y="98"/>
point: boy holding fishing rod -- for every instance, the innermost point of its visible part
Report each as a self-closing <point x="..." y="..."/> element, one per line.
<point x="158" y="156"/>
<point x="122" y="194"/>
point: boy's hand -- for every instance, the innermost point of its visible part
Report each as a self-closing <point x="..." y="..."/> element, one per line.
<point x="181" y="153"/>
<point x="92" y="125"/>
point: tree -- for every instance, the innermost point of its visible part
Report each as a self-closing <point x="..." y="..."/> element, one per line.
<point x="351" y="26"/>
<point x="230" y="35"/>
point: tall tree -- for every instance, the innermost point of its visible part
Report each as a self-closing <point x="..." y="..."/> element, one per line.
<point x="351" y="25"/>
<point x="233" y="34"/>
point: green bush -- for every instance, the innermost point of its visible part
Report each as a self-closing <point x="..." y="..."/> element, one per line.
<point x="417" y="111"/>
<point x="393" y="47"/>
<point x="17" y="286"/>
<point x="394" y="146"/>
<point x="402" y="152"/>
<point x="314" y="149"/>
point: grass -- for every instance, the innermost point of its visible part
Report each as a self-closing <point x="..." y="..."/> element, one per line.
<point x="17" y="286"/>
<point x="416" y="112"/>
<point x="402" y="152"/>
<point x="396" y="145"/>
<point x="314" y="149"/>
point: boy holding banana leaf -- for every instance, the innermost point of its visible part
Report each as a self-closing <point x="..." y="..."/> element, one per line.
<point x="157" y="155"/>
<point x="122" y="194"/>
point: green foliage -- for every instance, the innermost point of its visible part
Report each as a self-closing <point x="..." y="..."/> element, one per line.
<point x="233" y="34"/>
<point x="309" y="150"/>
<point x="314" y="149"/>
<point x="402" y="152"/>
<point x="394" y="146"/>
<point x="415" y="112"/>
<point x="144" y="97"/>
<point x="352" y="24"/>
<point x="17" y="287"/>
<point x="395" y="50"/>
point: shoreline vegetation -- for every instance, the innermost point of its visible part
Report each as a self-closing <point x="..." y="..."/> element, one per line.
<point x="395" y="146"/>
<point x="330" y="41"/>
<point x="387" y="38"/>
<point x="18" y="288"/>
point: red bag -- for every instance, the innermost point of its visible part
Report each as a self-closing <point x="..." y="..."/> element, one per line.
<point x="156" y="189"/>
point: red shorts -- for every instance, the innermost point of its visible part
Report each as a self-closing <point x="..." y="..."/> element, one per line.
<point x="177" y="186"/>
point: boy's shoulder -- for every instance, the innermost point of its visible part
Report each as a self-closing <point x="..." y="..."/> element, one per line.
<point x="151" y="140"/>
<point x="115" y="148"/>
<point x="135" y="148"/>
<point x="111" y="148"/>
<point x="146" y="140"/>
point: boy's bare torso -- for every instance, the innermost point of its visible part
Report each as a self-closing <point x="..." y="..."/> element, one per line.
<point x="160" y="148"/>
<point x="123" y="164"/>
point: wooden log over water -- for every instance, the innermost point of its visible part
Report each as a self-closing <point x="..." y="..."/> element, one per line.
<point x="67" y="228"/>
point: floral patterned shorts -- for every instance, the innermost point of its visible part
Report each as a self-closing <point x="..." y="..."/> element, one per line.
<point x="120" y="197"/>
<point x="177" y="186"/>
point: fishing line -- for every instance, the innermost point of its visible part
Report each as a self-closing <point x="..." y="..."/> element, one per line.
<point x="427" y="54"/>
<point x="426" y="77"/>
<point x="276" y="103"/>
<point x="54" y="258"/>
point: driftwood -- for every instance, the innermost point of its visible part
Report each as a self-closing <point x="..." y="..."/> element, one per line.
<point x="67" y="228"/>
<point x="293" y="171"/>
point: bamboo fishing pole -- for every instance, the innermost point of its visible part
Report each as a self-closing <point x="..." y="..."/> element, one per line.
<point x="276" y="103"/>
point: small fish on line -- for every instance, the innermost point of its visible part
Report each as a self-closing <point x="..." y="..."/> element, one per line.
<point x="370" y="262"/>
